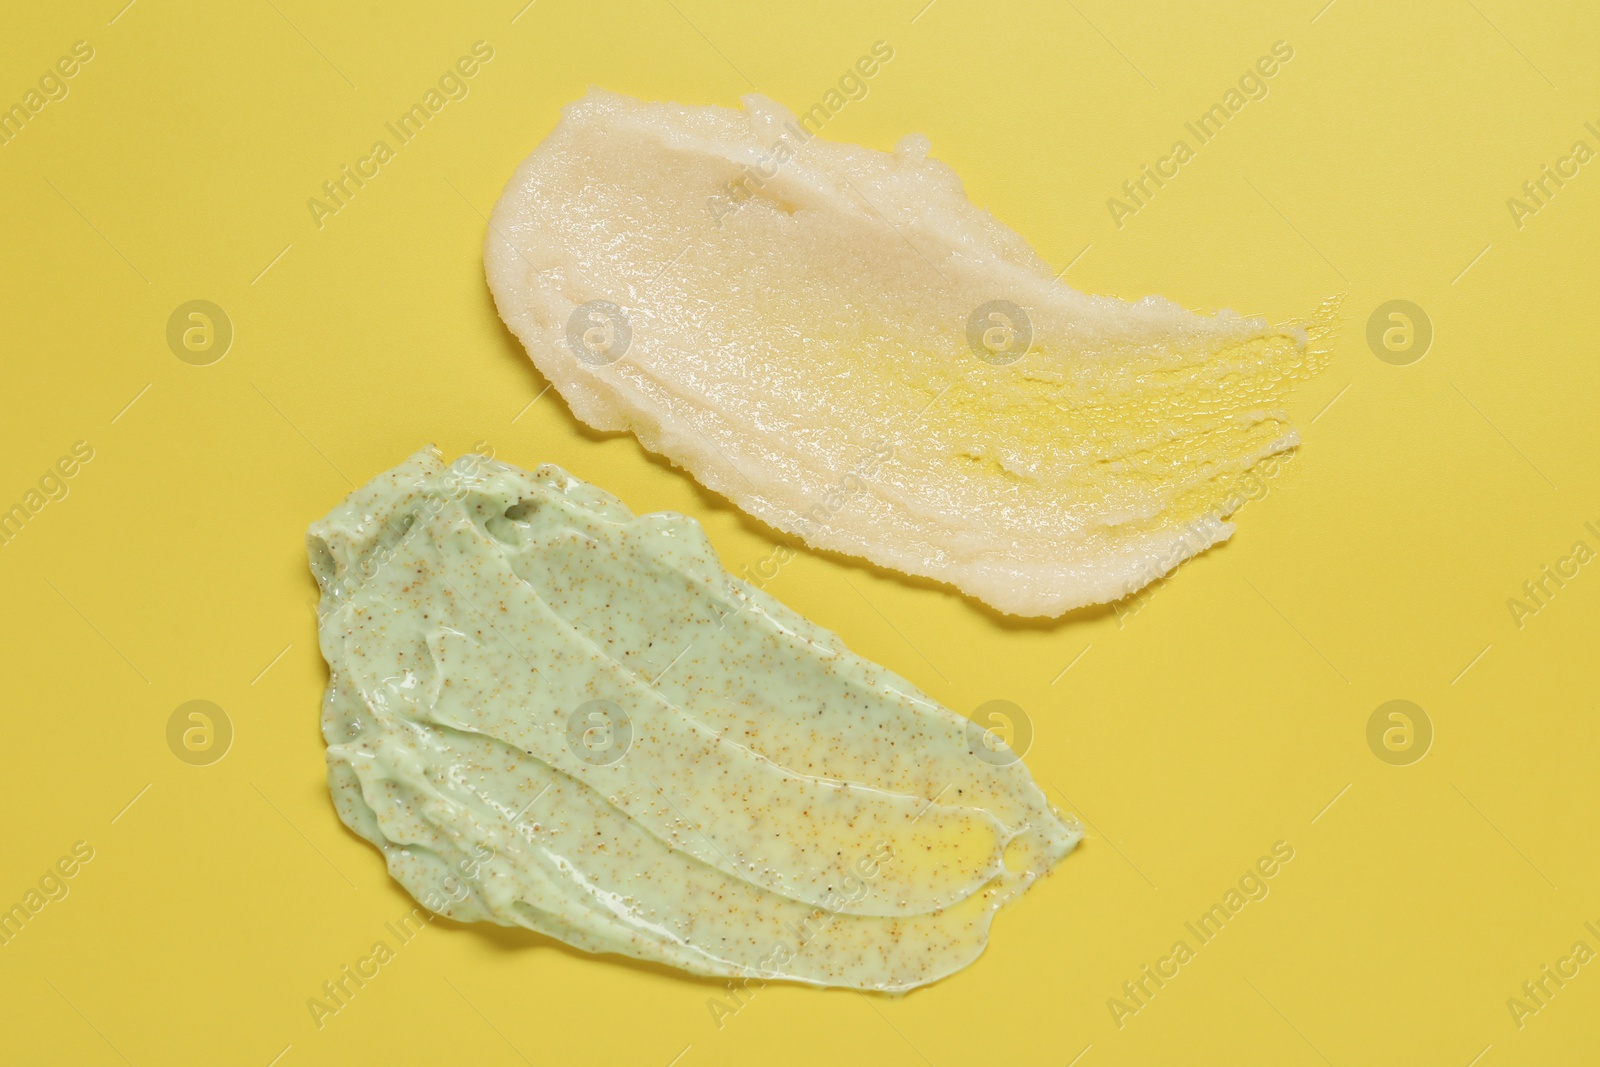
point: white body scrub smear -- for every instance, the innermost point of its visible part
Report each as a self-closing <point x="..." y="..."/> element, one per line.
<point x="835" y="339"/>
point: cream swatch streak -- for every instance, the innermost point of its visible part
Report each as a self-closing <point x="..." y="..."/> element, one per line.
<point x="789" y="310"/>
<point x="764" y="801"/>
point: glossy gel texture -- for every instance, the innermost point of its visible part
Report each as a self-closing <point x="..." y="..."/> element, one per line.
<point x="550" y="713"/>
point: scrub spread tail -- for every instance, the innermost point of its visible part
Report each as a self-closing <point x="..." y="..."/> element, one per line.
<point x="549" y="713"/>
<point x="838" y="341"/>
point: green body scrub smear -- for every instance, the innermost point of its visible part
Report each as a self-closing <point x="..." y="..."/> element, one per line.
<point x="549" y="713"/>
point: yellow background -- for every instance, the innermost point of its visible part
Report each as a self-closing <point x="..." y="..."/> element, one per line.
<point x="1221" y="716"/>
